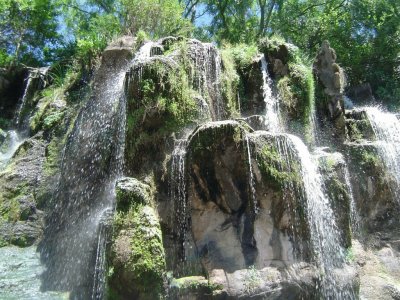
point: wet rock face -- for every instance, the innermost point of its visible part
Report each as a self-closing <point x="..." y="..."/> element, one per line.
<point x="332" y="81"/>
<point x="238" y="214"/>
<point x="332" y="167"/>
<point x="222" y="210"/>
<point x="252" y="82"/>
<point x="12" y="84"/>
<point x="372" y="187"/>
<point x="21" y="223"/>
<point x="362" y="94"/>
<point x="358" y="127"/>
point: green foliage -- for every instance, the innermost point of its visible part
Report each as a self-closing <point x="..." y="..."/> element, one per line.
<point x="230" y="81"/>
<point x="252" y="280"/>
<point x="165" y="99"/>
<point x="26" y="28"/>
<point x="370" y="158"/>
<point x="156" y="18"/>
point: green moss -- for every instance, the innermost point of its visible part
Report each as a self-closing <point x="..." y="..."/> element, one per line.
<point x="3" y="242"/>
<point x="9" y="201"/>
<point x="193" y="284"/>
<point x="297" y="89"/>
<point x="53" y="119"/>
<point x="130" y="192"/>
<point x="230" y="81"/>
<point x="146" y="262"/>
<point x="276" y="170"/>
<point x="161" y="103"/>
<point x="369" y="158"/>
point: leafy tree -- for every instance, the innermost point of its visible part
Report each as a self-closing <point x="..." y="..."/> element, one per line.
<point x="155" y="17"/>
<point x="26" y="28"/>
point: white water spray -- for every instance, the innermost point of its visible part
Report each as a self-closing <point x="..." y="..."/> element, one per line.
<point x="271" y="101"/>
<point x="386" y="127"/>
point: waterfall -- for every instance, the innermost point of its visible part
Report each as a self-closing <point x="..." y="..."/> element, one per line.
<point x="324" y="233"/>
<point x="207" y="76"/>
<point x="178" y="190"/>
<point x="99" y="277"/>
<point x="12" y="142"/>
<point x="386" y="127"/>
<point x="35" y="81"/>
<point x="251" y="177"/>
<point x="22" y="102"/>
<point x="354" y="216"/>
<point x="271" y="101"/>
<point x="77" y="231"/>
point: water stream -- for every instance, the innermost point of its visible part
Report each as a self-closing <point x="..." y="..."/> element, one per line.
<point x="271" y="101"/>
<point x="251" y="177"/>
<point x="9" y="146"/>
<point x="77" y="231"/>
<point x="178" y="190"/>
<point x="324" y="232"/>
<point x="386" y="127"/>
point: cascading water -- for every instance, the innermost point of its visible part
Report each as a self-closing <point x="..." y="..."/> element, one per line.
<point x="77" y="231"/>
<point x="251" y="177"/>
<point x="324" y="233"/>
<point x="178" y="189"/>
<point x="386" y="127"/>
<point x="21" y="105"/>
<point x="271" y="101"/>
<point x="207" y="76"/>
<point x="18" y="135"/>
<point x="99" y="278"/>
<point x="35" y="81"/>
<point x="13" y="141"/>
<point x="355" y="218"/>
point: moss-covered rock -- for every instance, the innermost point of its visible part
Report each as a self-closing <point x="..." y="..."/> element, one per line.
<point x="372" y="187"/>
<point x="131" y="191"/>
<point x="136" y="259"/>
<point x="332" y="168"/>
<point x="358" y="126"/>
<point x="295" y="84"/>
<point x="185" y="82"/>
<point x="20" y="219"/>
<point x="193" y="287"/>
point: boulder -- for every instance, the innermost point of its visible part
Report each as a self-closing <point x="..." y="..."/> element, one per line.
<point x="136" y="259"/>
<point x="118" y="52"/>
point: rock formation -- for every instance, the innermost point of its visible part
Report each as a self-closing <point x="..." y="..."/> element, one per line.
<point x="332" y="80"/>
<point x="218" y="204"/>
